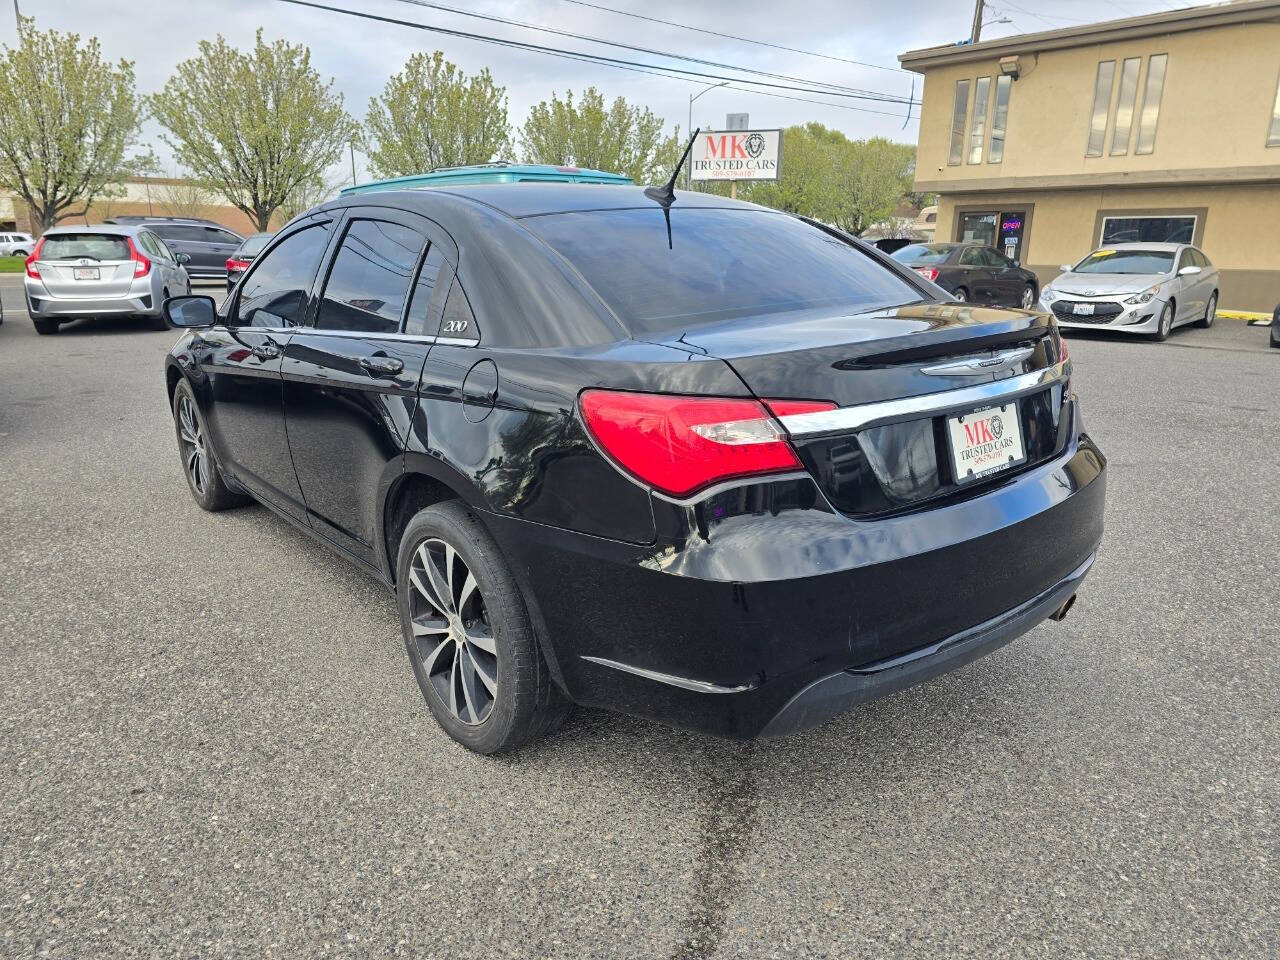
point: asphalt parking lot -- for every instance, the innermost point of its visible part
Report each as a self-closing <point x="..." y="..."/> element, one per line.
<point x="211" y="742"/>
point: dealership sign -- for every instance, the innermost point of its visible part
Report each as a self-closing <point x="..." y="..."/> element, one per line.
<point x="737" y="155"/>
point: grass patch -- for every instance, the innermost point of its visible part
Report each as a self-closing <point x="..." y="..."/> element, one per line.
<point x="12" y="264"/>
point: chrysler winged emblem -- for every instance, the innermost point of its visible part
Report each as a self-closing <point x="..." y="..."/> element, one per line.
<point x="971" y="365"/>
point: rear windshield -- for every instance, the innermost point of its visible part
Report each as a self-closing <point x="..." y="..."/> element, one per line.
<point x="921" y="253"/>
<point x="718" y="265"/>
<point x="252" y="246"/>
<point x="1126" y="261"/>
<point x="74" y="246"/>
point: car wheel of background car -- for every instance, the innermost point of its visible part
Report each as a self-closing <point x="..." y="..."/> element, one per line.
<point x="19" y="253"/>
<point x="1165" y="324"/>
<point x="469" y="635"/>
<point x="45" y="327"/>
<point x="1028" y="297"/>
<point x="1275" y="328"/>
<point x="1210" y="312"/>
<point x="157" y="322"/>
<point x="961" y="294"/>
<point x="199" y="465"/>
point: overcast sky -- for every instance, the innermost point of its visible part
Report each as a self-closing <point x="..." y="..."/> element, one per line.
<point x="360" y="55"/>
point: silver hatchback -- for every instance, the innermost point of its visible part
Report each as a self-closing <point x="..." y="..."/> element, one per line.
<point x="110" y="270"/>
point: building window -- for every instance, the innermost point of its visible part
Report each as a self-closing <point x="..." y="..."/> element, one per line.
<point x="1101" y="107"/>
<point x="1158" y="229"/>
<point x="1124" y="106"/>
<point x="1273" y="136"/>
<point x="959" y="118"/>
<point x="1000" y="118"/>
<point x="978" y="130"/>
<point x="1151" y="103"/>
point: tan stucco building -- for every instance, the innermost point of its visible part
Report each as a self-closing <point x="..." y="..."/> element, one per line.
<point x="1162" y="127"/>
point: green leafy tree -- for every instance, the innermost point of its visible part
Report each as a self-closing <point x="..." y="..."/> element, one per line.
<point x="67" y="119"/>
<point x="851" y="184"/>
<point x="284" y="126"/>
<point x="308" y="194"/>
<point x="431" y="114"/>
<point x="619" y="137"/>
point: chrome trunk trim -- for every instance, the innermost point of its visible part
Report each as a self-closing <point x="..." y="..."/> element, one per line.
<point x="849" y="419"/>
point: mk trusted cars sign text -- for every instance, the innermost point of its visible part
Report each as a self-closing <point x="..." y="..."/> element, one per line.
<point x="737" y="155"/>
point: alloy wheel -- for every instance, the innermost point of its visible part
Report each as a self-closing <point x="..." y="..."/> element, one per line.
<point x="455" y="643"/>
<point x="1211" y="314"/>
<point x="194" y="454"/>
<point x="961" y="295"/>
<point x="1166" y="320"/>
<point x="1028" y="298"/>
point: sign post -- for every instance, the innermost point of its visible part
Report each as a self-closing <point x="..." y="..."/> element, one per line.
<point x="736" y="155"/>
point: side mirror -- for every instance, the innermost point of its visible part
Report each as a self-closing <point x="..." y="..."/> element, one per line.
<point x="182" y="257"/>
<point x="1188" y="271"/>
<point x="1017" y="263"/>
<point x="188" y="312"/>
<point x="1065" y="268"/>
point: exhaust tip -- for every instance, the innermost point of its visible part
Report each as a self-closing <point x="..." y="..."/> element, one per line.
<point x="1063" y="610"/>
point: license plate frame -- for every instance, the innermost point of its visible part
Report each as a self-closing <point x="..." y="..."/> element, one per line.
<point x="1083" y="309"/>
<point x="1003" y="427"/>
<point x="86" y="273"/>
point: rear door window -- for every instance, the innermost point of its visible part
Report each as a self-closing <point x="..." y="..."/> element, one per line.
<point x="369" y="282"/>
<point x="217" y="235"/>
<point x="274" y="293"/>
<point x="715" y="264"/>
<point x="94" y="246"/>
<point x="428" y="292"/>
<point x="972" y="257"/>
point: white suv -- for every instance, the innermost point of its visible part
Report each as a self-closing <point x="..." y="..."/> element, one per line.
<point x="16" y="244"/>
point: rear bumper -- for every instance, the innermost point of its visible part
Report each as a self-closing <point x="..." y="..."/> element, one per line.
<point x="771" y="612"/>
<point x="140" y="300"/>
<point x="838" y="692"/>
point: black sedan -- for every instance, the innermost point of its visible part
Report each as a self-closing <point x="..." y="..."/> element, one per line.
<point x="973" y="272"/>
<point x="239" y="261"/>
<point x="696" y="460"/>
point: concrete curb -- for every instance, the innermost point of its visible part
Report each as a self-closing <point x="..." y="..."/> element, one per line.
<point x="1249" y="316"/>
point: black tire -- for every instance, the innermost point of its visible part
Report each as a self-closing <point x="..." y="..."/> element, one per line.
<point x="1210" y="312"/>
<point x="20" y="253"/>
<point x="1275" y="331"/>
<point x="213" y="494"/>
<point x="524" y="703"/>
<point x="1028" y="301"/>
<point x="961" y="294"/>
<point x="1165" y="323"/>
<point x="45" y="327"/>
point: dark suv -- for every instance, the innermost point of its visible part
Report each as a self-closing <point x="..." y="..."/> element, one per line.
<point x="206" y="242"/>
<point x="697" y="460"/>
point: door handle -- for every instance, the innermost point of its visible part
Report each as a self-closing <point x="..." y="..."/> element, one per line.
<point x="266" y="351"/>
<point x="382" y="366"/>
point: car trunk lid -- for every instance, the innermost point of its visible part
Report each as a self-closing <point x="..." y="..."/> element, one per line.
<point x="895" y="376"/>
<point x="86" y="266"/>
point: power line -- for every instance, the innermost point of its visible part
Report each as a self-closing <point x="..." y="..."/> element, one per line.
<point x="627" y="46"/>
<point x="730" y="36"/>
<point x="598" y="58"/>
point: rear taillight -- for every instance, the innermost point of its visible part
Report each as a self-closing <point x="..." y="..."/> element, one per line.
<point x="929" y="273"/>
<point x="32" y="271"/>
<point x="141" y="265"/>
<point x="234" y="264"/>
<point x="679" y="445"/>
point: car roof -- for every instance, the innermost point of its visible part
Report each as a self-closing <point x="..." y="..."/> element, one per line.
<point x="109" y="228"/>
<point x="519" y="200"/>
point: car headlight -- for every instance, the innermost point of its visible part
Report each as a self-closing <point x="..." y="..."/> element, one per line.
<point x="1145" y="296"/>
<point x="1048" y="295"/>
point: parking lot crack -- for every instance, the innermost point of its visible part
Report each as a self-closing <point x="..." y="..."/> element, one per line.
<point x="727" y="819"/>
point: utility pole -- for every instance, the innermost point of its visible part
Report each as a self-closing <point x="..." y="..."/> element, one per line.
<point x="17" y="16"/>
<point x="693" y="97"/>
<point x="976" y="34"/>
<point x="352" y="145"/>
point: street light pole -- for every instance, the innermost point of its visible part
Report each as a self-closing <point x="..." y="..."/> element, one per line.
<point x="693" y="97"/>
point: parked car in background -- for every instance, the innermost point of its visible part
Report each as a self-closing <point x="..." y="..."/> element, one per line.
<point x="972" y="272"/>
<point x="16" y="244"/>
<point x="207" y="243"/>
<point x="113" y="270"/>
<point x="1147" y="288"/>
<point x="700" y="461"/>
<point x="239" y="260"/>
